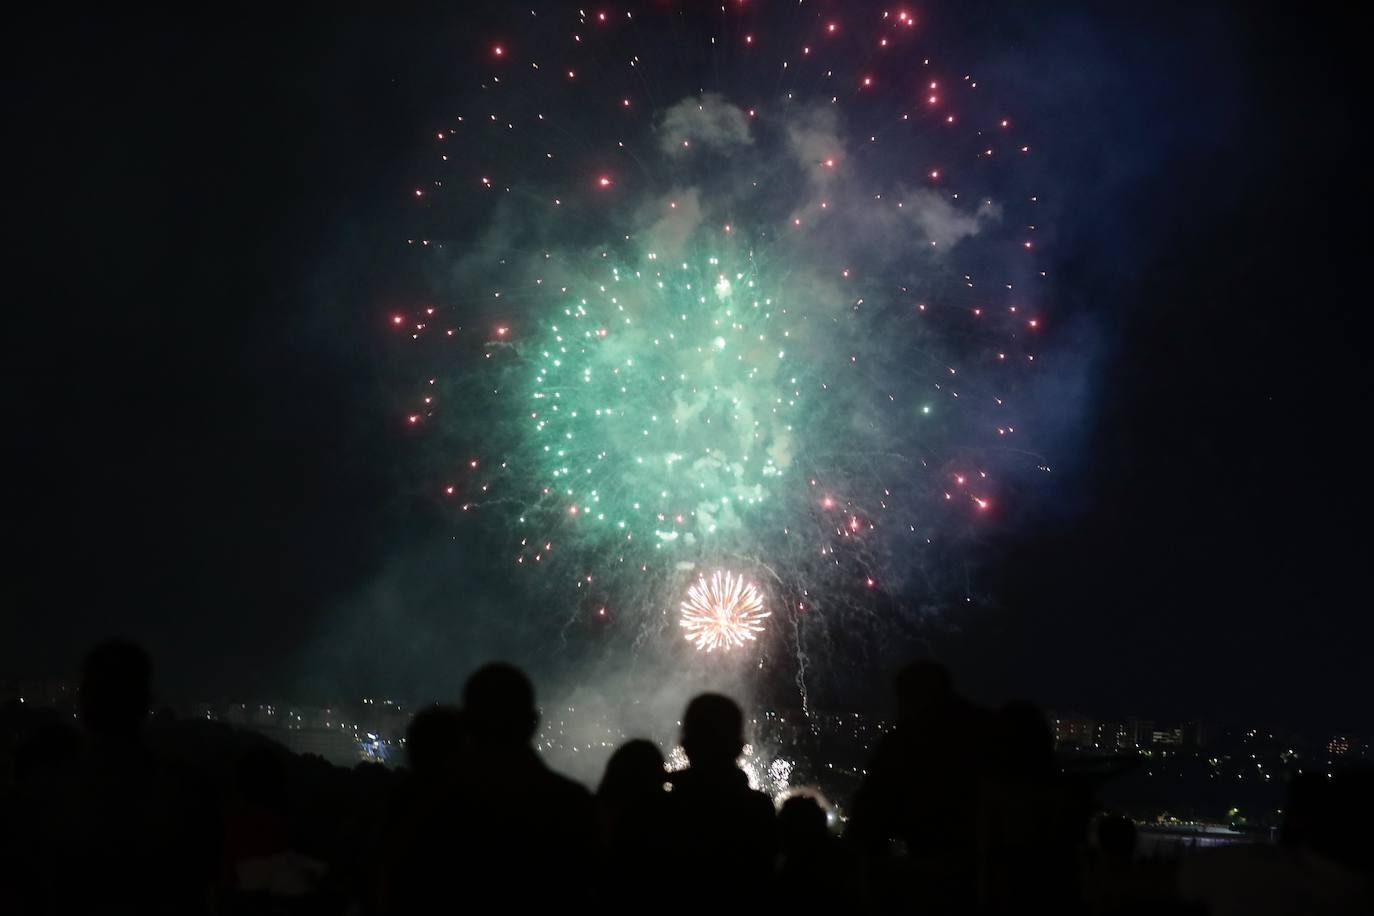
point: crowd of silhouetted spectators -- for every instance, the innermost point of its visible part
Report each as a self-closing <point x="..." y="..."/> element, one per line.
<point x="962" y="810"/>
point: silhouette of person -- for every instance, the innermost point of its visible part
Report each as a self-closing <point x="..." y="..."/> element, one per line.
<point x="634" y="780"/>
<point x="916" y="811"/>
<point x="139" y="833"/>
<point x="529" y="834"/>
<point x="1115" y="884"/>
<point x="1027" y="840"/>
<point x="436" y="741"/>
<point x="631" y="807"/>
<point x="722" y="833"/>
<point x="814" y="871"/>
<point x="424" y="842"/>
<point x="47" y="749"/>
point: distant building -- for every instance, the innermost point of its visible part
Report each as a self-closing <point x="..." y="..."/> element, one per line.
<point x="1197" y="734"/>
<point x="1073" y="730"/>
<point x="1114" y="737"/>
<point x="1191" y="734"/>
<point x="1168" y="737"/>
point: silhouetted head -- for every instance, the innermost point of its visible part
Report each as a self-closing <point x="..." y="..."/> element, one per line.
<point x="435" y="739"/>
<point x="922" y="687"/>
<point x="801" y="824"/>
<point x="1024" y="742"/>
<point x="116" y="687"/>
<point x="498" y="705"/>
<point x="634" y="770"/>
<point x="1329" y="814"/>
<point x="713" y="731"/>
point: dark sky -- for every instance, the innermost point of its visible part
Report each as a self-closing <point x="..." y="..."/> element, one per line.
<point x="202" y="220"/>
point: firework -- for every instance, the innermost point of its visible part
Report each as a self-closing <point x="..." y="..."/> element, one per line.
<point x="744" y="283"/>
<point x="766" y="771"/>
<point x="723" y="612"/>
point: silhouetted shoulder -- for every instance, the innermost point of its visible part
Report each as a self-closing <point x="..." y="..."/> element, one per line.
<point x="569" y="788"/>
<point x="567" y="794"/>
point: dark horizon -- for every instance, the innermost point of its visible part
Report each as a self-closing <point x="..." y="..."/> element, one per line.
<point x="212" y="458"/>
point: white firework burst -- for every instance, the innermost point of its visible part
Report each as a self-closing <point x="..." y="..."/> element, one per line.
<point x="723" y="612"/>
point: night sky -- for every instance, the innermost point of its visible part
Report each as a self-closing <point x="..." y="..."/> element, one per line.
<point x="207" y="417"/>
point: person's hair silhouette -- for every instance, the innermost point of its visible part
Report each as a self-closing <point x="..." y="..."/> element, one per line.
<point x="801" y="825"/>
<point x="434" y="739"/>
<point x="923" y="687"/>
<point x="631" y="810"/>
<point x="1025" y="749"/>
<point x="116" y="688"/>
<point x="815" y="872"/>
<point x="635" y="769"/>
